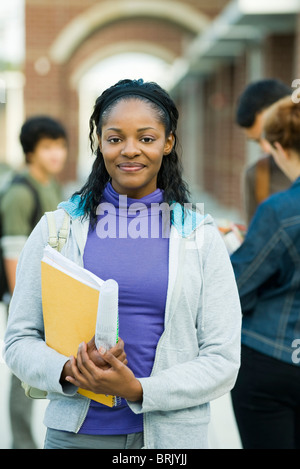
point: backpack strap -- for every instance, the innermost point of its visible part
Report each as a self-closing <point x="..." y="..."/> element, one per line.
<point x="262" y="182"/>
<point x="64" y="232"/>
<point x="37" y="211"/>
<point x="57" y="240"/>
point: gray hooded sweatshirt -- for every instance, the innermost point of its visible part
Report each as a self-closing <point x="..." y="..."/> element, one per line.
<point x="197" y="357"/>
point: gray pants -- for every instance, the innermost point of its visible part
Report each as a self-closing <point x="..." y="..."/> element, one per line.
<point x="56" y="439"/>
<point x="20" y="416"/>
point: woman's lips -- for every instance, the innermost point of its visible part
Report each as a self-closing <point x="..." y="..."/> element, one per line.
<point x="131" y="167"/>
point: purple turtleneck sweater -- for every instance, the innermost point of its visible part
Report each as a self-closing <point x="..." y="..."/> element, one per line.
<point x="122" y="248"/>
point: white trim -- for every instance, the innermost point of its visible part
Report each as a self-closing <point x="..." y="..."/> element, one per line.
<point x="264" y="7"/>
<point x="119" y="48"/>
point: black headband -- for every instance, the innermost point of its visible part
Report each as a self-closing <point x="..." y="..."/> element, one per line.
<point x="119" y="92"/>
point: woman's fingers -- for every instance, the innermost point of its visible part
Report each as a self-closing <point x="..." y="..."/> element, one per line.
<point x="85" y="374"/>
<point x="75" y="379"/>
<point x="119" y="352"/>
<point x="118" y="379"/>
<point x="84" y="363"/>
<point x="110" y="358"/>
<point x="83" y="369"/>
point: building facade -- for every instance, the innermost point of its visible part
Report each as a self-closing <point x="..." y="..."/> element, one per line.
<point x="214" y="48"/>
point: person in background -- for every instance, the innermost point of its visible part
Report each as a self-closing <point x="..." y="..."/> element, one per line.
<point x="266" y="397"/>
<point x="264" y="177"/>
<point x="5" y="174"/>
<point x="179" y="311"/>
<point x="33" y="192"/>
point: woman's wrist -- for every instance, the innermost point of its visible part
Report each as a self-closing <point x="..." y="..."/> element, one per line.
<point x="66" y="372"/>
<point x="136" y="392"/>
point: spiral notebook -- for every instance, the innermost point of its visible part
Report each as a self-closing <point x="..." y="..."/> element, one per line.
<point x="73" y="310"/>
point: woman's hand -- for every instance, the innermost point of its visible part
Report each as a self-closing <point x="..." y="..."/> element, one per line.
<point x="117" y="351"/>
<point x="116" y="380"/>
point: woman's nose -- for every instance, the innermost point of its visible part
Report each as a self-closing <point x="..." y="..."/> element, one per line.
<point x="130" y="148"/>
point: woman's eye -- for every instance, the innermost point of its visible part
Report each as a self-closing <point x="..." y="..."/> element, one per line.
<point x="114" y="140"/>
<point x="147" y="139"/>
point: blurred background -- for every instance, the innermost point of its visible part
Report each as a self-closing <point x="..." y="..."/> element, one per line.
<point x="57" y="56"/>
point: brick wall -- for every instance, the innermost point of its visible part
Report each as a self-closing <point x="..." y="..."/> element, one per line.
<point x="225" y="156"/>
<point x="224" y="144"/>
<point x="221" y="142"/>
<point x="279" y="57"/>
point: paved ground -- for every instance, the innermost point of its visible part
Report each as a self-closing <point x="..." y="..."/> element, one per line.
<point x="223" y="431"/>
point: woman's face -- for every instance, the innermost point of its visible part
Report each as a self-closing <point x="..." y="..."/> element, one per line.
<point x="287" y="160"/>
<point x="133" y="143"/>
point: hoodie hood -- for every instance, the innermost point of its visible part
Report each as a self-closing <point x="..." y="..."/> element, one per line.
<point x="186" y="220"/>
<point x="72" y="207"/>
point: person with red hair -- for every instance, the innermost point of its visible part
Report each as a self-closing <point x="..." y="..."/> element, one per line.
<point x="266" y="397"/>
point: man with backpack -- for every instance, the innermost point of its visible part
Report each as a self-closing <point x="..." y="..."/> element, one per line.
<point x="264" y="177"/>
<point x="29" y="194"/>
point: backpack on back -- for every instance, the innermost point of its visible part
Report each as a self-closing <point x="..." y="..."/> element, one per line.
<point x="6" y="183"/>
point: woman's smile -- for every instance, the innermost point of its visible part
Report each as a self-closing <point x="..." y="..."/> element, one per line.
<point x="130" y="167"/>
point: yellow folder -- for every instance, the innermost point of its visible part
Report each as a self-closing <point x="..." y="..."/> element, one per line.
<point x="70" y="313"/>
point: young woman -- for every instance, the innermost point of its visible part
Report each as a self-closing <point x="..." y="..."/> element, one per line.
<point x="179" y="312"/>
<point x="266" y="397"/>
